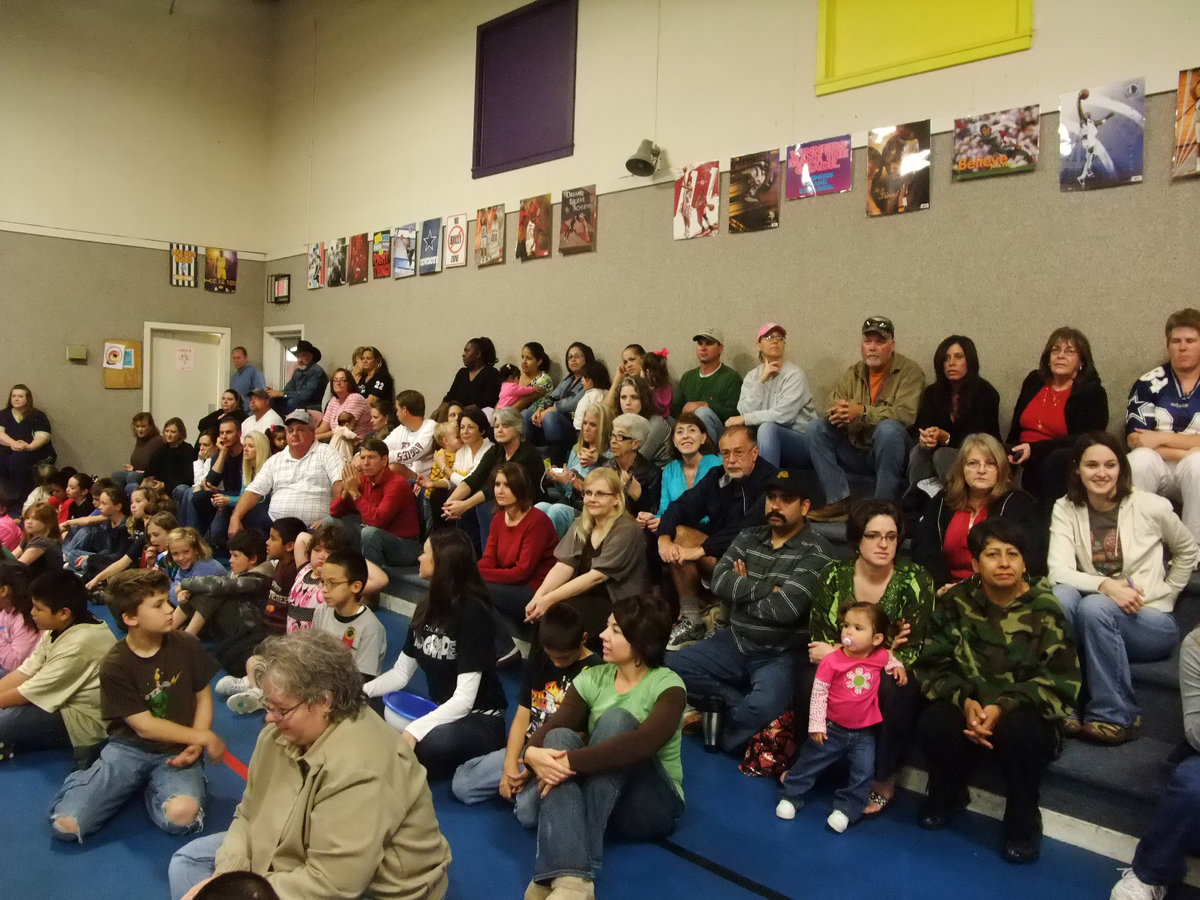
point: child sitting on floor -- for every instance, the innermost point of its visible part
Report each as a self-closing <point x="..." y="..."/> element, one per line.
<point x="18" y="631"/>
<point x="10" y="531"/>
<point x="842" y="716"/>
<point x="281" y="550"/>
<point x="154" y="694"/>
<point x="193" y="557"/>
<point x="52" y="699"/>
<point x="548" y="676"/>
<point x="343" y="578"/>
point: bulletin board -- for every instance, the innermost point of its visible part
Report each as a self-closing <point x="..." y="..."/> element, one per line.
<point x="122" y="363"/>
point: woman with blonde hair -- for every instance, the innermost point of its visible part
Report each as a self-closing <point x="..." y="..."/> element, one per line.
<point x="256" y="450"/>
<point x="978" y="485"/>
<point x="602" y="559"/>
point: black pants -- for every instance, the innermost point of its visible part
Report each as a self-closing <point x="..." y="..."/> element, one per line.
<point x="1025" y="744"/>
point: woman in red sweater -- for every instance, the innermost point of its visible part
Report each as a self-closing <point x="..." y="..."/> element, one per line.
<point x="520" y="547"/>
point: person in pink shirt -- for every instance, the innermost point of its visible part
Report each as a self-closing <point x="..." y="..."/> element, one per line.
<point x="842" y="716"/>
<point x="511" y="391"/>
<point x="10" y="531"/>
<point x="18" y="632"/>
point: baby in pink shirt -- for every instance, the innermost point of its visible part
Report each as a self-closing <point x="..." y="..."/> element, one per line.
<point x="510" y="389"/>
<point x="842" y="714"/>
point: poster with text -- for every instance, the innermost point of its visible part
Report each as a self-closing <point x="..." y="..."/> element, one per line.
<point x="455" y="243"/>
<point x="220" y="271"/>
<point x="697" y="201"/>
<point x="898" y="163"/>
<point x="577" y="229"/>
<point x="404" y="251"/>
<point x="489" y="236"/>
<point x="819" y="167"/>
<point x="316" y="266"/>
<point x="381" y="253"/>
<point x="430" y="258"/>
<point x="533" y="228"/>
<point x="998" y="143"/>
<point x="357" y="257"/>
<point x="1185" y="162"/>
<point x="754" y="191"/>
<point x="1101" y="133"/>
<point x="183" y="265"/>
<point x="335" y="263"/>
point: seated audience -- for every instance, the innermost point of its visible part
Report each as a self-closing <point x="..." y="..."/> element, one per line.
<point x="18" y="630"/>
<point x="24" y="439"/>
<point x="373" y="377"/>
<point x="957" y="404"/>
<point x="591" y="450"/>
<point x="231" y="405"/>
<point x="383" y="417"/>
<point x="1060" y="400"/>
<point x="144" y="504"/>
<point x="146" y="442"/>
<point x="477" y="383"/>
<point x="451" y="640"/>
<point x="634" y="398"/>
<point x="52" y="699"/>
<point x="978" y="485"/>
<point x="552" y="424"/>
<point x="345" y="399"/>
<point x="775" y="399"/>
<point x="512" y="392"/>
<point x="1001" y="673"/>
<point x="437" y="484"/>
<point x="306" y="388"/>
<point x="376" y="507"/>
<point x="710" y="390"/>
<point x="692" y="457"/>
<point x="640" y="479"/>
<point x="535" y="373"/>
<point x="171" y="465"/>
<point x="411" y="442"/>
<point x="608" y="760"/>
<point x="1107" y="543"/>
<point x="658" y="376"/>
<point x="327" y="848"/>
<point x="262" y="417"/>
<point x="213" y="505"/>
<point x="596" y="384"/>
<point x="281" y="551"/>
<point x="192" y="557"/>
<point x="10" y="532"/>
<point x="41" y="546"/>
<point x="343" y="580"/>
<point x="1162" y="421"/>
<point x="206" y="449"/>
<point x="113" y="536"/>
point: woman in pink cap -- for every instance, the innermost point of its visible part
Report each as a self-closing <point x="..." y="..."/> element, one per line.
<point x="776" y="400"/>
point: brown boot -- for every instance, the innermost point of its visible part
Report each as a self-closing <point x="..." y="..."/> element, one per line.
<point x="834" y="512"/>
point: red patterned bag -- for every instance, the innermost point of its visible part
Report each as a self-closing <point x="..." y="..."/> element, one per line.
<point x="772" y="751"/>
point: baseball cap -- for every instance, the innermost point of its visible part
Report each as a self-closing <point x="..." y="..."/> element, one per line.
<point x="768" y="328"/>
<point x="879" y="325"/>
<point x="710" y="334"/>
<point x="298" y="415"/>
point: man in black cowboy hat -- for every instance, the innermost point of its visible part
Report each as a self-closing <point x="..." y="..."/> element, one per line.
<point x="306" y="388"/>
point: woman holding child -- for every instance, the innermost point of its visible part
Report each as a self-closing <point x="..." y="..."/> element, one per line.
<point x="345" y="399"/>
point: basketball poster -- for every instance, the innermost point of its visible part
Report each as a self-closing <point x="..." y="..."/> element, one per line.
<point x="1101" y="131"/>
<point x="577" y="229"/>
<point x="456" y="241"/>
<point x="335" y="262"/>
<point x="430" y="258"/>
<point x="697" y="201"/>
<point x="1185" y="162"/>
<point x="404" y="251"/>
<point x="489" y="236"/>
<point x="533" y="228"/>
<point x="316" y="266"/>
<point x="357" y="259"/>
<point x="220" y="271"/>
<point x="998" y="143"/>
<point x="183" y="265"/>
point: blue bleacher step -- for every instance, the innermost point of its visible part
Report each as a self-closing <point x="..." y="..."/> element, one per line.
<point x="1138" y="769"/>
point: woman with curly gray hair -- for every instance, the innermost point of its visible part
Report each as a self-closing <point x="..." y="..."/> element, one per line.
<point x="323" y="757"/>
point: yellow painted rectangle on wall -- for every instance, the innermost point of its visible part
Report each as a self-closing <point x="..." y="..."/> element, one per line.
<point x="862" y="42"/>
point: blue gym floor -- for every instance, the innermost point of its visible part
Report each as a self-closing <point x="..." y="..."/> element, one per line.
<point x="728" y="845"/>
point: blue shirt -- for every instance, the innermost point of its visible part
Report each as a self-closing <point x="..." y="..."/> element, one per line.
<point x="674" y="484"/>
<point x="1157" y="403"/>
<point x="245" y="380"/>
<point x="306" y="388"/>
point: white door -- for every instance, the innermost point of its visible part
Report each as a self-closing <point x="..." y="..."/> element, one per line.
<point x="186" y="371"/>
<point x="278" y="361"/>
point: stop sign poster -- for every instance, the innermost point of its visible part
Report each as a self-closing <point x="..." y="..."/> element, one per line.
<point x="456" y="240"/>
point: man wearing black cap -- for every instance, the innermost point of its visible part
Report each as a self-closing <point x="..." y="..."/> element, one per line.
<point x="710" y="390"/>
<point x="262" y="416"/>
<point x="866" y="429"/>
<point x="768" y="575"/>
<point x="306" y="388"/>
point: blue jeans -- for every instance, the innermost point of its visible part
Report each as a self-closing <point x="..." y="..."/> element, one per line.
<point x="639" y="803"/>
<point x="29" y="727"/>
<point x="448" y="746"/>
<point x="782" y="447"/>
<point x="182" y="495"/>
<point x="857" y="746"/>
<point x="387" y="551"/>
<point x="83" y="542"/>
<point x="1109" y="639"/>
<point x="556" y="430"/>
<point x="832" y="456"/>
<point x="478" y="780"/>
<point x="756" y="688"/>
<point x="93" y="796"/>
<point x="193" y="862"/>
<point x="1174" y="832"/>
<point x="712" y="423"/>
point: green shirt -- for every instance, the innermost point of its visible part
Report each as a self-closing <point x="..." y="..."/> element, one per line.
<point x="909" y="595"/>
<point x="597" y="688"/>
<point x="719" y="390"/>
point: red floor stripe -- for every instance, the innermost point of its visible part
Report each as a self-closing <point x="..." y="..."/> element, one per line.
<point x="236" y="764"/>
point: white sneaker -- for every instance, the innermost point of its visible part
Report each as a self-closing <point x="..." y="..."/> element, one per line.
<point x="230" y="685"/>
<point x="1130" y="887"/>
<point x="246" y="702"/>
<point x="838" y="821"/>
<point x="785" y="809"/>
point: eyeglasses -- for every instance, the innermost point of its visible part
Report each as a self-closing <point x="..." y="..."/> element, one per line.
<point x="878" y="537"/>
<point x="774" y="337"/>
<point x="985" y="464"/>
<point x="280" y="713"/>
<point x="591" y="495"/>
<point x="617" y="436"/>
<point x="734" y="452"/>
<point x="326" y="585"/>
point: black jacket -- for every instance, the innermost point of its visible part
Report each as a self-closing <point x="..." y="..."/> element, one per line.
<point x="730" y="508"/>
<point x="980" y="415"/>
<point x="930" y="533"/>
<point x="1086" y="410"/>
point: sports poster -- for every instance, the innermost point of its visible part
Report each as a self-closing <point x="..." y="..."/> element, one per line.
<point x="357" y="259"/>
<point x="819" y="167"/>
<point x="316" y="266"/>
<point x="1185" y="162"/>
<point x="1101" y="131"/>
<point x="697" y="201"/>
<point x="998" y="143"/>
<point x="533" y="228"/>
<point x="220" y="271"/>
<point x="381" y="253"/>
<point x="183" y="265"/>
<point x="404" y="251"/>
<point x="430" y="258"/>
<point x="335" y="263"/>
<point x="754" y="190"/>
<point x="489" y="236"/>
<point x="577" y="229"/>
<point x="455" y="244"/>
<point x="898" y="163"/>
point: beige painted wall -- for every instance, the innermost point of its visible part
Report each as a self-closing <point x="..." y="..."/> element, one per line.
<point x="58" y="292"/>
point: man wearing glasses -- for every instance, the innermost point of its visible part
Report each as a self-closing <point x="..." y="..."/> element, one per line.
<point x="866" y="429"/>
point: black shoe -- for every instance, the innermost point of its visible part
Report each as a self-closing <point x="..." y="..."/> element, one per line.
<point x="1022" y="850"/>
<point x="937" y="815"/>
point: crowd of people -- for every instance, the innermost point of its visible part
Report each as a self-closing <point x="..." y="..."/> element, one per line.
<point x="653" y="540"/>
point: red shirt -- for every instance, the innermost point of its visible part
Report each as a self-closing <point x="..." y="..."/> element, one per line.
<point x="954" y="547"/>
<point x="1045" y="417"/>
<point x="389" y="505"/>
<point x="521" y="553"/>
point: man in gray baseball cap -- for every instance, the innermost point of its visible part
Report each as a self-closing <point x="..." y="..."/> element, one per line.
<point x="710" y="390"/>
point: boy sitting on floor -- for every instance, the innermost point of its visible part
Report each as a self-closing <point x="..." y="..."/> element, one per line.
<point x="53" y="698"/>
<point x="229" y="607"/>
<point x="154" y="693"/>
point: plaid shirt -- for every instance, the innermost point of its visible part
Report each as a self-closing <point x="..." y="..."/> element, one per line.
<point x="299" y="487"/>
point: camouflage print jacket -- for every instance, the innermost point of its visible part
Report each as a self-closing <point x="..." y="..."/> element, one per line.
<point x="1014" y="656"/>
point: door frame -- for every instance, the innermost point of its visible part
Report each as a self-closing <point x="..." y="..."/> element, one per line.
<point x="148" y="330"/>
<point x="270" y="347"/>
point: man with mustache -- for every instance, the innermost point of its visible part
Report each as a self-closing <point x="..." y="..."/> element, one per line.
<point x="768" y="575"/>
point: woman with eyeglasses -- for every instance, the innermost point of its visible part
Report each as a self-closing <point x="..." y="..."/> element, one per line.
<point x="904" y="590"/>
<point x="641" y="480"/>
<point x="777" y="400"/>
<point x="345" y="399"/>
<point x="978" y="485"/>
<point x="601" y="560"/>
<point x="336" y="803"/>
